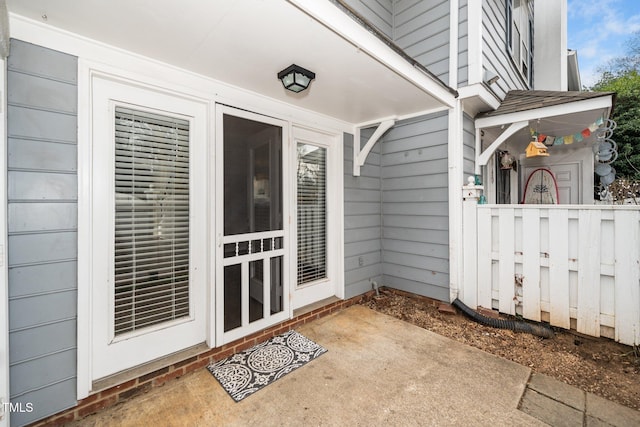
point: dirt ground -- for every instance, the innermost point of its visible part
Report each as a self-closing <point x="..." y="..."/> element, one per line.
<point x="597" y="365"/>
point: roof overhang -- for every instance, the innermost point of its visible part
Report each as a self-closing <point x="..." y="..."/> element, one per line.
<point x="555" y="113"/>
<point x="245" y="43"/>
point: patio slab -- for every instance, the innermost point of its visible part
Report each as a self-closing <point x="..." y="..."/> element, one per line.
<point x="378" y="371"/>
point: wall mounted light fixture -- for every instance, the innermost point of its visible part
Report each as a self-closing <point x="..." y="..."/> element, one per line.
<point x="296" y="78"/>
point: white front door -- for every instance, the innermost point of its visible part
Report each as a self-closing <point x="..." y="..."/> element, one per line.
<point x="252" y="223"/>
<point x="148" y="225"/>
<point x="318" y="197"/>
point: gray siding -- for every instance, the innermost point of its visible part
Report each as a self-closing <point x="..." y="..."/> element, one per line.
<point x="415" y="206"/>
<point x="378" y="13"/>
<point x="363" y="220"/>
<point x="422" y="30"/>
<point x="494" y="50"/>
<point x="463" y="44"/>
<point x="42" y="222"/>
<point x="468" y="146"/>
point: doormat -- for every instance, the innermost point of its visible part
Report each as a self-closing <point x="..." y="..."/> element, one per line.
<point x="246" y="372"/>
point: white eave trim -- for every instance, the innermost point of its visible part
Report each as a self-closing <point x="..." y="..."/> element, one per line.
<point x="479" y="92"/>
<point x="602" y="102"/>
<point x="340" y="23"/>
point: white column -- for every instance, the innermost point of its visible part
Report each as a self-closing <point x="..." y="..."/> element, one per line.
<point x="469" y="288"/>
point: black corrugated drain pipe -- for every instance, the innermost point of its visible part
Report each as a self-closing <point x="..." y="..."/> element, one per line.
<point x="515" y="325"/>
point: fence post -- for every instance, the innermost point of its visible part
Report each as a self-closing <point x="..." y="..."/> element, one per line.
<point x="468" y="292"/>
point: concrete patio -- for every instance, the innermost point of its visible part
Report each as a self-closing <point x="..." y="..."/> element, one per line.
<point x="378" y="371"/>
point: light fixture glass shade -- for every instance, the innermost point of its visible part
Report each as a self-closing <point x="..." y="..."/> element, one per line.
<point x="296" y="78"/>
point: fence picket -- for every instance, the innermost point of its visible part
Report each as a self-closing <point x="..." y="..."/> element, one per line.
<point x="484" y="257"/>
<point x="627" y="274"/>
<point x="531" y="264"/>
<point x="588" y="316"/>
<point x="559" y="268"/>
<point x="506" y="239"/>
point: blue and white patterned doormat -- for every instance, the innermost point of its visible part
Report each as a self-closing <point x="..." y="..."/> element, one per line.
<point x="246" y="372"/>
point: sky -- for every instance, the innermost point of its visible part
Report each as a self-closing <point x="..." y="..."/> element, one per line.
<point x="599" y="30"/>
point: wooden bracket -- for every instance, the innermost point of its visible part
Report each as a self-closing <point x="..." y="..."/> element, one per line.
<point x="360" y="154"/>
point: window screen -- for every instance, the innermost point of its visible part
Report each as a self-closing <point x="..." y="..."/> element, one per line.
<point x="312" y="213"/>
<point x="151" y="219"/>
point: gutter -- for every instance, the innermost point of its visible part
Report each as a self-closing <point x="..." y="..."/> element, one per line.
<point x="342" y="20"/>
<point x="386" y="40"/>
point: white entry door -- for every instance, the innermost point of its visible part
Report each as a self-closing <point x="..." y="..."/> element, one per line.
<point x="252" y="223"/>
<point x="148" y="228"/>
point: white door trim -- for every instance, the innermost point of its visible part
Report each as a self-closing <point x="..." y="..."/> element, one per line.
<point x="333" y="285"/>
<point x="4" y="291"/>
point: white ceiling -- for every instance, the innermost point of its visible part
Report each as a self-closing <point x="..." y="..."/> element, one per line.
<point x="243" y="43"/>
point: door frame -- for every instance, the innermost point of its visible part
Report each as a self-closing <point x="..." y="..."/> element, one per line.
<point x="217" y="315"/>
<point x="91" y="218"/>
<point x="4" y="291"/>
<point x="333" y="285"/>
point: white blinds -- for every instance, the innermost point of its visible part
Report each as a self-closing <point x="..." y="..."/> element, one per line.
<point x="151" y="219"/>
<point x="312" y="213"/>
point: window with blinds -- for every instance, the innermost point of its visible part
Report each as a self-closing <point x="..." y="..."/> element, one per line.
<point x="151" y="219"/>
<point x="312" y="213"/>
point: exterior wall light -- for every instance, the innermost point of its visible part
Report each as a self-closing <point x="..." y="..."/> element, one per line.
<point x="296" y="78"/>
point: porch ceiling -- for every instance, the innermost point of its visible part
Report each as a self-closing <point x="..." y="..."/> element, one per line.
<point x="245" y="43"/>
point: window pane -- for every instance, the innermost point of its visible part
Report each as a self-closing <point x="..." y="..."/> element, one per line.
<point x="312" y="213"/>
<point x="232" y="297"/>
<point x="151" y="219"/>
<point x="252" y="176"/>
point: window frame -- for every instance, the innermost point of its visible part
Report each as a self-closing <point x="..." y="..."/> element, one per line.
<point x="520" y="19"/>
<point x="326" y="192"/>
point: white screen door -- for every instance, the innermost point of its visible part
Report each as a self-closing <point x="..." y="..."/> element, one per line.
<point x="252" y="290"/>
<point x="148" y="225"/>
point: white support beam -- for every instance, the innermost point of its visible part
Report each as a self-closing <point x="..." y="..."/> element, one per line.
<point x="360" y="154"/>
<point x="602" y="102"/>
<point x="486" y="154"/>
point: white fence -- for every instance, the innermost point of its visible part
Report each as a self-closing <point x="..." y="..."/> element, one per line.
<point x="574" y="266"/>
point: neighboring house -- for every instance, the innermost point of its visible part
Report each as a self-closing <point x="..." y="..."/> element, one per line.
<point x="168" y="201"/>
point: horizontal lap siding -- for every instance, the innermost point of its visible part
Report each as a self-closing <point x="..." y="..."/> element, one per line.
<point x="469" y="146"/>
<point x="421" y="28"/>
<point x="378" y="13"/>
<point x="415" y="237"/>
<point x="494" y="51"/>
<point x="463" y="44"/>
<point x="362" y="223"/>
<point x="42" y="224"/>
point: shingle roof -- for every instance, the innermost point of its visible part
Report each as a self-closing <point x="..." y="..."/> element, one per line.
<point x="523" y="100"/>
